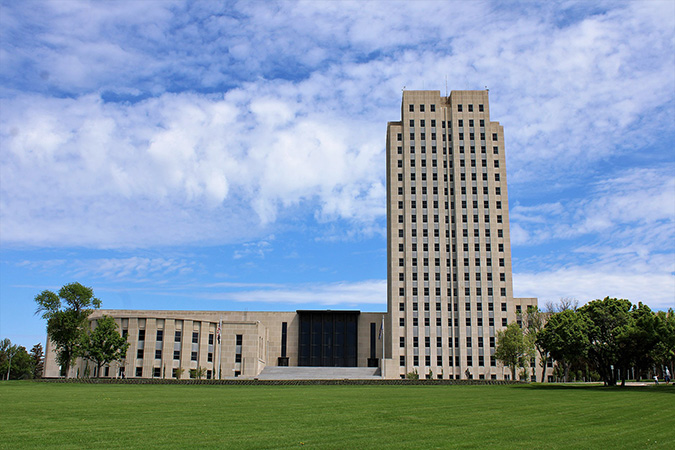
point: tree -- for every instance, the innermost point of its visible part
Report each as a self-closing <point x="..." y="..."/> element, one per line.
<point x="104" y="344"/>
<point x="514" y="348"/>
<point x="15" y="363"/>
<point x="37" y="360"/>
<point x="199" y="372"/>
<point x="663" y="353"/>
<point x="609" y="327"/>
<point x="535" y="321"/>
<point x="564" y="337"/>
<point x="66" y="315"/>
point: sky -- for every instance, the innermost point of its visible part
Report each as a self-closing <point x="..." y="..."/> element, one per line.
<point x="231" y="155"/>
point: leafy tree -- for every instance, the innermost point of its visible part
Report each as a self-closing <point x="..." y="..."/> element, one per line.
<point x="37" y="360"/>
<point x="514" y="348"/>
<point x="104" y="344"/>
<point x="66" y="315"/>
<point x="663" y="353"/>
<point x="608" y="331"/>
<point x="15" y="363"/>
<point x="7" y="350"/>
<point x="199" y="372"/>
<point x="639" y="341"/>
<point x="565" y="338"/>
<point x="535" y="320"/>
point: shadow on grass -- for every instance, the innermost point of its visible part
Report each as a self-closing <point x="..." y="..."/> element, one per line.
<point x="649" y="388"/>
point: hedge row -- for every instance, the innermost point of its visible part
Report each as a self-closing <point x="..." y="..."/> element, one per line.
<point x="244" y="381"/>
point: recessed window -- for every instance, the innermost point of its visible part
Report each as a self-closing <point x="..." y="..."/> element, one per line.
<point x="160" y="335"/>
<point x="411" y="108"/>
<point x="158" y="354"/>
<point x="141" y="335"/>
<point x="177" y="336"/>
<point x="139" y="371"/>
<point x="139" y="353"/>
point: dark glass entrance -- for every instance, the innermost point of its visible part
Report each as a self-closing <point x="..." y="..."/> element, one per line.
<point x="328" y="338"/>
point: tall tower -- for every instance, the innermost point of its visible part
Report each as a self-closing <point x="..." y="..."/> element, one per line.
<point x="448" y="247"/>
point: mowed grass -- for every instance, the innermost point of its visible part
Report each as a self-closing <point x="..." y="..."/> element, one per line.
<point x="53" y="415"/>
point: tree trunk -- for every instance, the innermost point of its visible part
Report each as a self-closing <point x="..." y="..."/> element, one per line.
<point x="543" y="373"/>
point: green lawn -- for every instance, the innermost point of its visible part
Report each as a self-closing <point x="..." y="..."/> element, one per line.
<point x="57" y="415"/>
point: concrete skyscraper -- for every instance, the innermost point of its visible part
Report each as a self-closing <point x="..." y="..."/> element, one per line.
<point x="449" y="253"/>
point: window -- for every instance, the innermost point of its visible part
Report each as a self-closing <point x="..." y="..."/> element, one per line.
<point x="209" y="357"/>
<point x="125" y="333"/>
<point x="416" y="360"/>
<point x="468" y="321"/>
<point x="177" y="336"/>
<point x="139" y="371"/>
<point x="422" y="123"/>
<point x="401" y="361"/>
<point x="415" y="341"/>
<point x="504" y="322"/>
<point x="427" y="342"/>
<point x="157" y="372"/>
<point x="176" y="354"/>
<point x="141" y="335"/>
<point x="401" y="321"/>
<point x="421" y="108"/>
<point x="480" y="108"/>
<point x="158" y="354"/>
<point x="433" y="109"/>
<point x="210" y="338"/>
<point x="503" y="292"/>
<point x="411" y="108"/>
<point x="195" y="337"/>
<point x="469" y="362"/>
<point x="412" y="123"/>
<point x="470" y="108"/>
<point x="193" y="356"/>
<point x="459" y="108"/>
<point x="139" y="353"/>
<point x="401" y="342"/>
<point x="401" y="306"/>
<point x="494" y="136"/>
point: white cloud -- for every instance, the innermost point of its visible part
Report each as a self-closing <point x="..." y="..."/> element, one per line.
<point x="343" y="294"/>
<point x="654" y="287"/>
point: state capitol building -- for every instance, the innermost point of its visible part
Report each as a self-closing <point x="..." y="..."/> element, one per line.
<point x="449" y="286"/>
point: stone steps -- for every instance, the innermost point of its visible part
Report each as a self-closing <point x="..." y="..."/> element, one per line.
<point x="319" y="373"/>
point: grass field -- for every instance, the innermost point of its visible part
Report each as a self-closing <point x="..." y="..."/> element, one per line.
<point x="38" y="415"/>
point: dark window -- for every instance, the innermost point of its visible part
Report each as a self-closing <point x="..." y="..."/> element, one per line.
<point x="160" y="335"/>
<point x="176" y="354"/>
<point x="193" y="356"/>
<point x="141" y="335"/>
<point x="139" y="353"/>
<point x="195" y="337"/>
<point x="139" y="371"/>
<point x="177" y="336"/>
<point x="158" y="354"/>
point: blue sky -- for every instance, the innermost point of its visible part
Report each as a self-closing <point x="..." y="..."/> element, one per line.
<point x="230" y="155"/>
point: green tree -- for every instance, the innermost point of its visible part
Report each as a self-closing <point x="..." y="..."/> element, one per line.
<point x="535" y="320"/>
<point x="565" y="338"/>
<point x="37" y="360"/>
<point x="514" y="348"/>
<point x="609" y="329"/>
<point x="663" y="353"/>
<point x="7" y="353"/>
<point x="66" y="315"/>
<point x="15" y="363"/>
<point x="639" y="341"/>
<point x="104" y="344"/>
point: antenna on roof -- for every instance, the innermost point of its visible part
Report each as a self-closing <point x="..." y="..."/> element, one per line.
<point x="403" y="89"/>
<point x="486" y="88"/>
